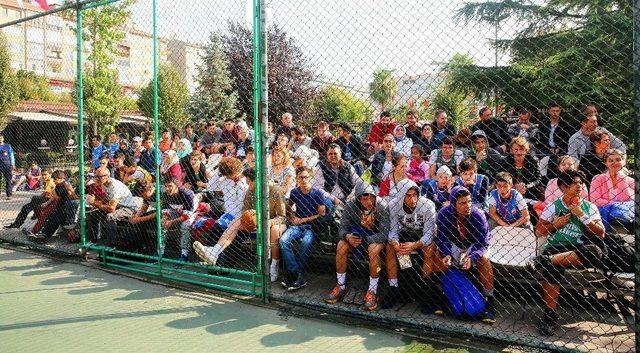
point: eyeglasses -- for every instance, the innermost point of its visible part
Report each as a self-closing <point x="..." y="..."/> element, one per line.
<point x="387" y="141"/>
<point x="304" y="177"/>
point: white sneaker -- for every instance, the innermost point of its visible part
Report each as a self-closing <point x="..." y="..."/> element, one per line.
<point x="205" y="253"/>
<point x="273" y="274"/>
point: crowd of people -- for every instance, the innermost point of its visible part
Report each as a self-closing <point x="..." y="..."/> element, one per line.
<point x="407" y="188"/>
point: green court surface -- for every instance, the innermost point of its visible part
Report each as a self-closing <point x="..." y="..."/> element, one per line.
<point x="48" y="305"/>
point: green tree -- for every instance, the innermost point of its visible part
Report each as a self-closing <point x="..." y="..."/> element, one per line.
<point x="457" y="103"/>
<point x="33" y="87"/>
<point x="337" y="105"/>
<point x="173" y="96"/>
<point x="8" y="87"/>
<point x="215" y="96"/>
<point x="569" y="51"/>
<point x="103" y="97"/>
<point x="384" y="88"/>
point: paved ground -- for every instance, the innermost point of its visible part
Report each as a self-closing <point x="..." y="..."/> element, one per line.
<point x="52" y="306"/>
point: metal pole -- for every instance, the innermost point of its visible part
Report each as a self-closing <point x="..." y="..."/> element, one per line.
<point x="73" y="5"/>
<point x="156" y="133"/>
<point x="80" y="138"/>
<point x="260" y="87"/>
<point x="636" y="113"/>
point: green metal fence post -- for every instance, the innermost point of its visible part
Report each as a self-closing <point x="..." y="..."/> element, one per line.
<point x="260" y="117"/>
<point x="80" y="103"/>
<point x="636" y="119"/>
<point x="156" y="134"/>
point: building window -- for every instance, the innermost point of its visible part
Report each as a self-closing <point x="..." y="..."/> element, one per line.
<point x="124" y="51"/>
<point x="54" y="54"/>
<point x="55" y="67"/>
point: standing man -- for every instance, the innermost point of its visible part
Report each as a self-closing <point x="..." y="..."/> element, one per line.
<point x="7" y="163"/>
<point x="554" y="133"/>
<point x="492" y="128"/>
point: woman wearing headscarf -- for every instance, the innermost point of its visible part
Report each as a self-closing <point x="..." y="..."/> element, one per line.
<point x="170" y="166"/>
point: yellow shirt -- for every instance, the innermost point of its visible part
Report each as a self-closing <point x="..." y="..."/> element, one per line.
<point x="49" y="186"/>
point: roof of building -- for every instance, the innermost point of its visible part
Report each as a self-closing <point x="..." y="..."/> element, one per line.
<point x="63" y="112"/>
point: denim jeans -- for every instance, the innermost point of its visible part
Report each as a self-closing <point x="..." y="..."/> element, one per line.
<point x="303" y="232"/>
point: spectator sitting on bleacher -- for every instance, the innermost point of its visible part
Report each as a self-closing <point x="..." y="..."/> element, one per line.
<point x="113" y="144"/>
<point x="566" y="222"/>
<point x="524" y="127"/>
<point x="580" y="144"/>
<point x="413" y="219"/>
<point x="281" y="143"/>
<point x="119" y="170"/>
<point x="244" y="141"/>
<point x="447" y="155"/>
<point x="282" y="172"/>
<point x="136" y="148"/>
<point x="441" y="128"/>
<point x="487" y="158"/>
<point x="170" y="166"/>
<point x="427" y="141"/>
<point x="363" y="227"/>
<point x="33" y="176"/>
<point x="413" y="130"/>
<point x="613" y="192"/>
<point x="287" y="124"/>
<point x="124" y="148"/>
<point x="148" y="155"/>
<point x="389" y="187"/>
<point x="463" y="141"/>
<point x="309" y="205"/>
<point x="462" y="240"/>
<point x="353" y="150"/>
<point x="382" y="164"/>
<point x="16" y="181"/>
<point x="298" y="138"/>
<point x="592" y="162"/>
<point x="322" y="140"/>
<point x="437" y="190"/>
<point x="476" y="183"/>
<point x="335" y="175"/>
<point x="97" y="151"/>
<point x="247" y="223"/>
<point x="196" y="174"/>
<point x="380" y="129"/>
<point x="183" y="149"/>
<point x="507" y="207"/>
<point x="523" y="168"/>
<point x="118" y="206"/>
<point x="553" y="192"/>
<point x="36" y="201"/>
<point x="418" y="168"/>
<point x="63" y="195"/>
<point x="403" y="143"/>
<point x="494" y="130"/>
<point x="166" y="141"/>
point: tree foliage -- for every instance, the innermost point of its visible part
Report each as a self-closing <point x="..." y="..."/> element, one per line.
<point x="103" y="97"/>
<point x="338" y="105"/>
<point x="33" y="87"/>
<point x="569" y="51"/>
<point x="215" y="97"/>
<point x="8" y="87"/>
<point x="173" y="96"/>
<point x="384" y="88"/>
<point x="290" y="76"/>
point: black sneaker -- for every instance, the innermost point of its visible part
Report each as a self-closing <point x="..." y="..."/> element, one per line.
<point x="549" y="322"/>
<point x="391" y="298"/>
<point x="489" y="316"/>
<point x="298" y="283"/>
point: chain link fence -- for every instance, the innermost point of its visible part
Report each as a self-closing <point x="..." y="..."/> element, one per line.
<point x="449" y="166"/>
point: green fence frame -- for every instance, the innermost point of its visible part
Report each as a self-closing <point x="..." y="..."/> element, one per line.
<point x="109" y="256"/>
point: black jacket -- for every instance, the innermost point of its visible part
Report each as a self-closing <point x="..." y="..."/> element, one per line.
<point x="496" y="131"/>
<point x="529" y="174"/>
<point x="358" y="150"/>
<point x="562" y="133"/>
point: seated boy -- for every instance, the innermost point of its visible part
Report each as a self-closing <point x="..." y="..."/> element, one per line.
<point x="477" y="184"/>
<point x="566" y="222"/>
<point x="507" y="207"/>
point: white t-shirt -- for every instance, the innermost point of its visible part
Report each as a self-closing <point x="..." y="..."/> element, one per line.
<point x="549" y="212"/>
<point x="386" y="169"/>
<point x="116" y="190"/>
<point x="233" y="193"/>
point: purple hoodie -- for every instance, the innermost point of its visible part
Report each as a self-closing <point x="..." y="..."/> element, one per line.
<point x="477" y="237"/>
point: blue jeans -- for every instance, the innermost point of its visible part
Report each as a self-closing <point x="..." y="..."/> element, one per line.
<point x="303" y="232"/>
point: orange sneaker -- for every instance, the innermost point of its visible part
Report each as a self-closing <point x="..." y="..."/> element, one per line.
<point x="370" y="301"/>
<point x="335" y="295"/>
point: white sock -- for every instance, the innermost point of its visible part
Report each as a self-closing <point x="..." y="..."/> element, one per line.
<point x="393" y="282"/>
<point x="373" y="284"/>
<point x="275" y="265"/>
<point x="214" y="251"/>
<point x="184" y="252"/>
<point x="342" y="279"/>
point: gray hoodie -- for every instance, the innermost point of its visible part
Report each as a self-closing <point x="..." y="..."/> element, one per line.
<point x="354" y="214"/>
<point x="418" y="224"/>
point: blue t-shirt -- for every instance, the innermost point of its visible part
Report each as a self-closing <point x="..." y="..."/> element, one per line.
<point x="113" y="149"/>
<point x="96" y="153"/>
<point x="306" y="204"/>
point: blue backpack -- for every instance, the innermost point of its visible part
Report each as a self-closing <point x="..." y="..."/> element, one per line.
<point x="465" y="302"/>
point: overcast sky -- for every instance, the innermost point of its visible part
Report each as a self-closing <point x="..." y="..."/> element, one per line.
<point x="345" y="40"/>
